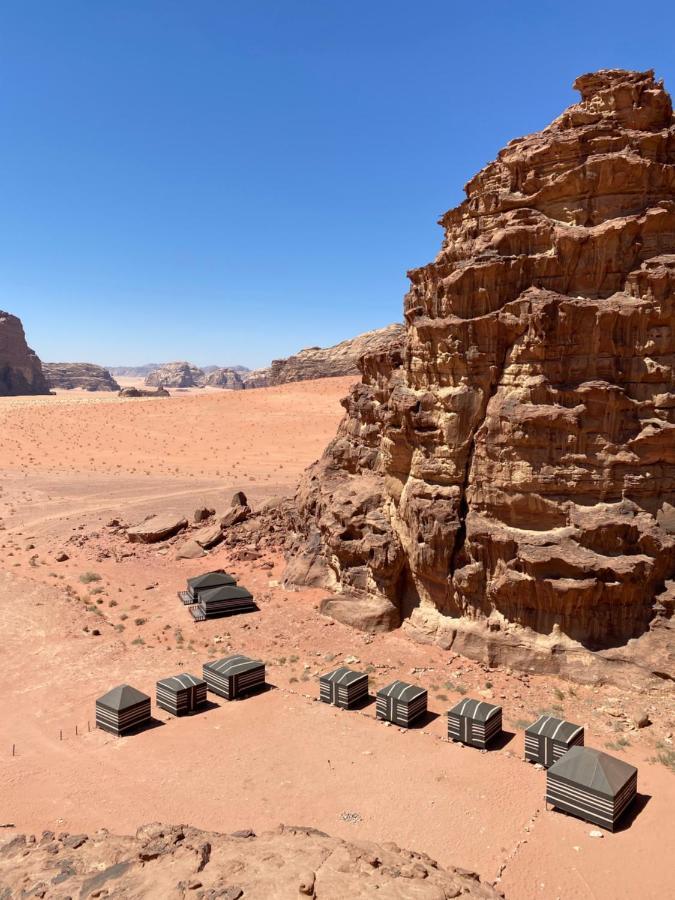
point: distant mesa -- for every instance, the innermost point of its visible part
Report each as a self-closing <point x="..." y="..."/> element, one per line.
<point x="328" y="362"/>
<point x="80" y="376"/>
<point x="20" y="369"/>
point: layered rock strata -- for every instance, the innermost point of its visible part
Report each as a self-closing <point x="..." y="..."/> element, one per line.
<point x="20" y="369"/>
<point x="506" y="482"/>
<point x="82" y="376"/>
<point x="176" y="375"/>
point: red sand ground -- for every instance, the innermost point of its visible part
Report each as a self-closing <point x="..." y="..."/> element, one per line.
<point x="71" y="463"/>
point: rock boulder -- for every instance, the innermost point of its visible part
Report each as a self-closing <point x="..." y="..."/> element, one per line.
<point x="20" y="369"/>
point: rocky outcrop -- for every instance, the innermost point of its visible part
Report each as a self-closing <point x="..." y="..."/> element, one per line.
<point x="328" y="362"/>
<point x="82" y="376"/>
<point x="176" y="375"/>
<point x="20" y="369"/>
<point x="174" y="862"/>
<point x="139" y="392"/>
<point x="228" y="379"/>
<point x="507" y="480"/>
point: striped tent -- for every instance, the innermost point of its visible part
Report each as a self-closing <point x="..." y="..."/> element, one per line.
<point x="343" y="687"/>
<point x="233" y="676"/>
<point x="401" y="703"/>
<point x="122" y="709"/>
<point x="181" y="694"/>
<point x="222" y="601"/>
<point x="474" y="722"/>
<point x="592" y="785"/>
<point x="205" y="582"/>
<point x="548" y="738"/>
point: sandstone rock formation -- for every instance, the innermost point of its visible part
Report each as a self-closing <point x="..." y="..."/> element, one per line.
<point x="20" y="369"/>
<point x="327" y="362"/>
<point x="85" y="376"/>
<point x="176" y="375"/>
<point x="507" y="480"/>
<point x="228" y="379"/>
<point x="174" y="862"/>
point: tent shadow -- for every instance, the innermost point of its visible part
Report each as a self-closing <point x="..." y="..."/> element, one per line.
<point x="633" y="811"/>
<point x="426" y="719"/>
<point x="363" y="703"/>
<point x="502" y="740"/>
<point x="148" y="725"/>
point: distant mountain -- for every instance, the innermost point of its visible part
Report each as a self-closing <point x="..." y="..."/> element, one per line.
<point x="148" y="368"/>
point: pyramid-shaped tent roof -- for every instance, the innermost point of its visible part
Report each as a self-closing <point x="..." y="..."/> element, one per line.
<point x="211" y="580"/>
<point x="226" y="592"/>
<point x="594" y="770"/>
<point x="122" y="697"/>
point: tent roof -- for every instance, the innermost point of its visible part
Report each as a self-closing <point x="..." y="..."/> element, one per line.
<point x="180" y="682"/>
<point x="226" y="592"/>
<point x="593" y="769"/>
<point x="550" y="727"/>
<point x="478" y="710"/>
<point x="211" y="579"/>
<point x="122" y="697"/>
<point x="343" y="675"/>
<point x="401" y="690"/>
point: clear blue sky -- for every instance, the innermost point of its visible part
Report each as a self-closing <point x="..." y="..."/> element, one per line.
<point x="231" y="181"/>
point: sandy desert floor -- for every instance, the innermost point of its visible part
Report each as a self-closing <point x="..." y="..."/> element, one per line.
<point x="73" y="462"/>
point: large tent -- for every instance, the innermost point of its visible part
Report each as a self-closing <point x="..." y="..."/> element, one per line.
<point x="401" y="703"/>
<point x="234" y="675"/>
<point x="205" y="582"/>
<point x="122" y="709"/>
<point x="592" y="785"/>
<point x="548" y="738"/>
<point x="474" y="722"/>
<point x="181" y="694"/>
<point x="343" y="687"/>
<point x="222" y="601"/>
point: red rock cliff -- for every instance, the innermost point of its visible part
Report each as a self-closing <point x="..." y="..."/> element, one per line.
<point x="508" y="481"/>
<point x="20" y="369"/>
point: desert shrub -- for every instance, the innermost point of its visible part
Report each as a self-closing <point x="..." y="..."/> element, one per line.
<point x="89" y="577"/>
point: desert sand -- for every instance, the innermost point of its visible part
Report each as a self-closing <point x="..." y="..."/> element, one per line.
<point x="73" y="629"/>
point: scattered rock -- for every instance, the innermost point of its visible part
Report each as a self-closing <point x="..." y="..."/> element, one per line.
<point x="190" y="550"/>
<point x="642" y="720"/>
<point x="235" y="515"/>
<point x="239" y="499"/>
<point x="208" y="537"/>
<point x="202" y="513"/>
<point x="157" y="528"/>
<point x="61" y="556"/>
<point x="370" y="614"/>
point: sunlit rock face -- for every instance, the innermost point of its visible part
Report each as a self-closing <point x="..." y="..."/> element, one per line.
<point x="507" y="480"/>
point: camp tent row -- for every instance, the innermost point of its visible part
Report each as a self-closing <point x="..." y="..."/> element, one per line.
<point x="215" y="594"/>
<point x="125" y="709"/>
<point x="580" y="780"/>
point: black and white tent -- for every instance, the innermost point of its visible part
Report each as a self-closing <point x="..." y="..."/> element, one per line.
<point x="401" y="703"/>
<point x="343" y="687"/>
<point x="181" y="694"/>
<point x="474" y="722"/>
<point x="122" y="709"/>
<point x="233" y="676"/>
<point x="222" y="601"/>
<point x="592" y="785"/>
<point x="205" y="582"/>
<point x="548" y="738"/>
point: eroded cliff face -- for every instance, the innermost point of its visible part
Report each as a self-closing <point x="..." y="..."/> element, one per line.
<point x="508" y="480"/>
<point x="20" y="369"/>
